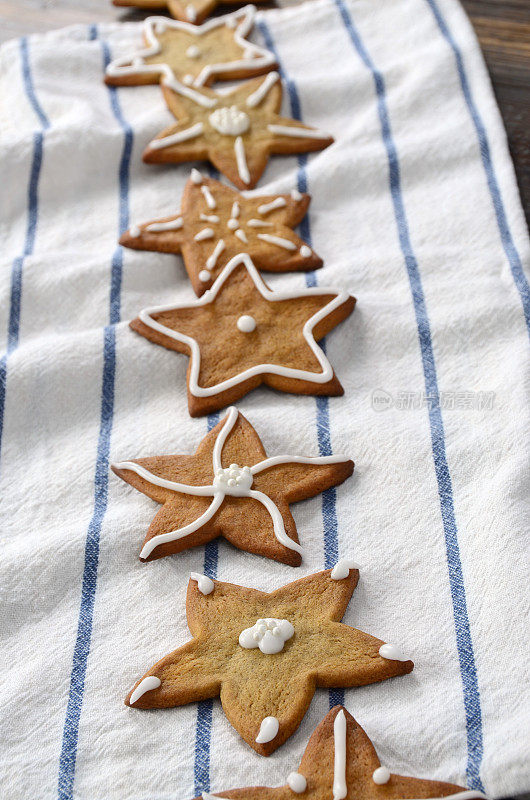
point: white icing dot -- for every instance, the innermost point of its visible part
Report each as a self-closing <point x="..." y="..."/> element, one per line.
<point x="230" y="121"/>
<point x="381" y="776"/>
<point x="269" y="635"/>
<point x="187" y="79"/>
<point x="246" y="323"/>
<point x="191" y="14"/>
<point x="193" y="51"/>
<point x="342" y="569"/>
<point x="134" y="231"/>
<point x="297" y="782"/>
<point x="196" y="176"/>
<point x="305" y="251"/>
<point x="205" y="584"/>
<point x="233" y="224"/>
<point x="268" y="729"/>
<point x="392" y="652"/>
<point x="204" y="275"/>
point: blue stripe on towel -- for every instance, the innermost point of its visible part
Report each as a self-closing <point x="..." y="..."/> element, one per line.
<point x="329" y="497"/>
<point x="456" y="580"/>
<point x="88" y="590"/>
<point x="508" y="243"/>
<point x="205" y="707"/>
<point x="17" y="267"/>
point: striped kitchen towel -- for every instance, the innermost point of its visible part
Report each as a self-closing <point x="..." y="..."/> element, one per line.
<point x="415" y="210"/>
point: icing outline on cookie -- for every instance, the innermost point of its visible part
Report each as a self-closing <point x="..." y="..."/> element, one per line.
<point x="145" y="316"/>
<point x="219" y="489"/>
<point x="256" y="57"/>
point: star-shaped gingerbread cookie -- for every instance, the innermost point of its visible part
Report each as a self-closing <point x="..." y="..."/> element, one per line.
<point x="213" y="213"/>
<point x="236" y="130"/>
<point x="193" y="11"/>
<point x="241" y="334"/>
<point x="230" y="488"/>
<point x="264" y="653"/>
<point x="340" y="763"/>
<point x="195" y="54"/>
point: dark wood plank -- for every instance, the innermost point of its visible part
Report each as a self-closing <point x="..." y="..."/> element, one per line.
<point x="502" y="27"/>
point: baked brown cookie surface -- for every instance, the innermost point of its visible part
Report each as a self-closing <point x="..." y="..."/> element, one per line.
<point x="340" y="763"/>
<point x="193" y="11"/>
<point x="211" y="213"/>
<point x="197" y="55"/>
<point x="241" y="334"/>
<point x="264" y="653"/>
<point x="237" y="130"/>
<point x="230" y="488"/>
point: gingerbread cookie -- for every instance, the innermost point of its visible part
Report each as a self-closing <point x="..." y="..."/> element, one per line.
<point x="340" y="763"/>
<point x="241" y="334"/>
<point x="213" y="213"/>
<point x="193" y="11"/>
<point x="195" y="54"/>
<point x="230" y="488"/>
<point x="237" y="130"/>
<point x="265" y="653"/>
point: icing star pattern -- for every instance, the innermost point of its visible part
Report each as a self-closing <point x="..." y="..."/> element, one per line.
<point x="340" y="763"/>
<point x="241" y="334"/>
<point x="265" y="696"/>
<point x="193" y="11"/>
<point x="195" y="54"/>
<point x="230" y="488"/>
<point x="237" y="130"/>
<point x="262" y="226"/>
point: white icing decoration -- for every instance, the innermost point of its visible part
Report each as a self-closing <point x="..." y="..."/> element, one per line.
<point x="296" y="782"/>
<point x="268" y="634"/>
<point x="204" y="275"/>
<point x="208" y="196"/>
<point x="342" y="569"/>
<point x="279" y="202"/>
<point x="236" y="209"/>
<point x="246" y="323"/>
<point x="305" y="251"/>
<point x="272" y="296"/>
<point x="304" y="133"/>
<point x="255" y="57"/>
<point x="256" y="97"/>
<point x="242" y="236"/>
<point x="340" y="790"/>
<point x="229" y="120"/>
<point x="146" y="685"/>
<point x="241" y="160"/>
<point x="219" y="488"/>
<point x="296" y="195"/>
<point x="196" y="176"/>
<point x="191" y="14"/>
<point x="268" y="729"/>
<point x="208" y="796"/>
<point x="187" y="79"/>
<point x="212" y="260"/>
<point x="210" y="218"/>
<point x="170" y="225"/>
<point x="232" y="224"/>
<point x="205" y="584"/>
<point x="467" y="794"/>
<point x="277" y="240"/>
<point x="381" y="776"/>
<point x="258" y="223"/>
<point x="134" y="231"/>
<point x="206" y="233"/>
<point x="392" y="652"/>
<point x="177" y="86"/>
<point x="175" y="138"/>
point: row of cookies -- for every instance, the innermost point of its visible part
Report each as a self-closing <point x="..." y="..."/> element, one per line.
<point x="257" y="651"/>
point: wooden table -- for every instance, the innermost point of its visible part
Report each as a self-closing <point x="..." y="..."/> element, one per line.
<point x="502" y="27"/>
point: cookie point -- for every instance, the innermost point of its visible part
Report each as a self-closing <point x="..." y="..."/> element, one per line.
<point x="145" y="685"/>
<point x="196" y="176"/>
<point x="268" y="730"/>
<point x="342" y="569"/>
<point x="205" y="584"/>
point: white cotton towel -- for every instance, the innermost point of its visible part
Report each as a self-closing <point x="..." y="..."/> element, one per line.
<point x="415" y="210"/>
